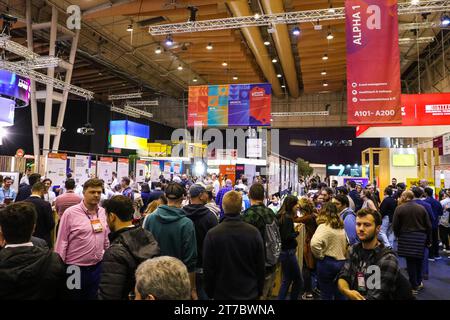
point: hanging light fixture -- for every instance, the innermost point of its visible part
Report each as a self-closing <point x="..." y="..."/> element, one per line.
<point x="235" y="77"/>
<point x="324" y="73"/>
<point x="195" y="79"/>
<point x="180" y="67"/>
<point x="325" y="84"/>
<point x="224" y="64"/>
<point x="209" y="46"/>
<point x="330" y="35"/>
<point x="266" y="43"/>
<point x="130" y="28"/>
<point x="279" y="75"/>
<point x="274" y="60"/>
<point x="158" y="50"/>
<point x="325" y="57"/>
<point x="296" y="31"/>
<point x="169" y="41"/>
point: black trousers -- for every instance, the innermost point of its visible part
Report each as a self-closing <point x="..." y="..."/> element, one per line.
<point x="444" y="233"/>
<point x="434" y="250"/>
<point x="414" y="266"/>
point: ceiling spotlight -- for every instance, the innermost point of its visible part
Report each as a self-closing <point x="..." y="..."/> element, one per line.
<point x="415" y="2"/>
<point x="169" y="41"/>
<point x="195" y="80"/>
<point x="274" y="60"/>
<point x="257" y="16"/>
<point x="266" y="43"/>
<point x="224" y="64"/>
<point x="158" y="50"/>
<point x="445" y="21"/>
<point x="130" y="28"/>
<point x="325" y="84"/>
<point x="324" y="73"/>
<point x="283" y="86"/>
<point x="279" y="75"/>
<point x="235" y="77"/>
<point x="325" y="57"/>
<point x="180" y="67"/>
<point x="330" y="36"/>
<point x="331" y="10"/>
<point x="209" y="46"/>
<point x="296" y="31"/>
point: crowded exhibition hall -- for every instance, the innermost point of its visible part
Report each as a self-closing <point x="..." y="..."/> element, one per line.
<point x="251" y="150"/>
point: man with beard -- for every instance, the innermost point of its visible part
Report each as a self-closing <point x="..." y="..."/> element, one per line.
<point x="371" y="271"/>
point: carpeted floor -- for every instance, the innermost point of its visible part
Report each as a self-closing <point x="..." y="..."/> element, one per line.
<point x="437" y="287"/>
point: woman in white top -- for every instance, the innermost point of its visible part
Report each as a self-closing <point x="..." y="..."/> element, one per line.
<point x="368" y="199"/>
<point x="329" y="246"/>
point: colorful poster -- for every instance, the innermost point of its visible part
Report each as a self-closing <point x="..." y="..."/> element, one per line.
<point x="176" y="168"/>
<point x="238" y="104"/>
<point x="361" y="181"/>
<point x="230" y="105"/>
<point x="373" y="62"/>
<point x="56" y="168"/>
<point x="229" y="171"/>
<point x="81" y="169"/>
<point x="198" y="105"/>
<point x="123" y="169"/>
<point x="260" y="99"/>
<point x="167" y="166"/>
<point x="446" y="144"/>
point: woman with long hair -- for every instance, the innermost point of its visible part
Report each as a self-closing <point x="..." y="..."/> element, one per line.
<point x="369" y="200"/>
<point x="329" y="246"/>
<point x="289" y="263"/>
<point x="308" y="218"/>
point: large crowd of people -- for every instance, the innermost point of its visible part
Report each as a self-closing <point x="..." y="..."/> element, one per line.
<point x="210" y="238"/>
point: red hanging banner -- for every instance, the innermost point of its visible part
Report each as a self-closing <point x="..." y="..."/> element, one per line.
<point x="373" y="62"/>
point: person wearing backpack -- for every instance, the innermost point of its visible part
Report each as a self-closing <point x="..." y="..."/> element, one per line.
<point x="371" y="271"/>
<point x="264" y="220"/>
<point x="288" y="258"/>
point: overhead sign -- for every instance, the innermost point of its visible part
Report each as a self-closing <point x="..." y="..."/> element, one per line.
<point x="56" y="168"/>
<point x="81" y="169"/>
<point x="230" y="105"/>
<point x="431" y="109"/>
<point x="20" y="153"/>
<point x="373" y="62"/>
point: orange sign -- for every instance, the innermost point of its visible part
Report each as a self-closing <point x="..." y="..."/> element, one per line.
<point x="122" y="160"/>
<point x="20" y="153"/>
<point x="62" y="156"/>
<point x="106" y="159"/>
<point x="229" y="171"/>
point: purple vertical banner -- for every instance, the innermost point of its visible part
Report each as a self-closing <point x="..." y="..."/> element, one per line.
<point x="238" y="105"/>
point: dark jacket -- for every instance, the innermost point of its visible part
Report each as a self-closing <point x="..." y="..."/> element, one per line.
<point x="45" y="221"/>
<point x="24" y="192"/>
<point x="30" y="273"/>
<point x="155" y="195"/>
<point x="359" y="261"/>
<point x="129" y="248"/>
<point x="233" y="260"/>
<point x="356" y="199"/>
<point x="411" y="217"/>
<point x="437" y="209"/>
<point x="287" y="233"/>
<point x="428" y="208"/>
<point x="387" y="207"/>
<point x="38" y="242"/>
<point x="145" y="196"/>
<point x="203" y="220"/>
<point x="175" y="234"/>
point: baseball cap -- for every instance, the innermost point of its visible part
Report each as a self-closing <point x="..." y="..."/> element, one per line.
<point x="196" y="189"/>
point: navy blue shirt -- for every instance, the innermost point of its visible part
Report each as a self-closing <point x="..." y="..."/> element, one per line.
<point x="427" y="207"/>
<point x="437" y="211"/>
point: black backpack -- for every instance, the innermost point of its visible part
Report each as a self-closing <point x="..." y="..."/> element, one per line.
<point x="402" y="288"/>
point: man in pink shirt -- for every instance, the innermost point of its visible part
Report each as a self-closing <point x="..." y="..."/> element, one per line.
<point x="67" y="199"/>
<point x="83" y="239"/>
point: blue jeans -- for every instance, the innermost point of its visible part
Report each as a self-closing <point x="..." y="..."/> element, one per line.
<point x="291" y="275"/>
<point x="327" y="271"/>
<point x="384" y="231"/>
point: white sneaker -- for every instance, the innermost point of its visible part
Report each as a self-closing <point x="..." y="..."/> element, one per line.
<point x="438" y="258"/>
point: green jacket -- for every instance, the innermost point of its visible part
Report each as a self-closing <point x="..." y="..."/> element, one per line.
<point x="175" y="234"/>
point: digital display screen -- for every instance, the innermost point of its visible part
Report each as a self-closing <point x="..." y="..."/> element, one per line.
<point x="404" y="160"/>
<point x="15" y="87"/>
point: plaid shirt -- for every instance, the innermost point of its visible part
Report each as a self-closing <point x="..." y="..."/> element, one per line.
<point x="359" y="261"/>
<point x="259" y="216"/>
